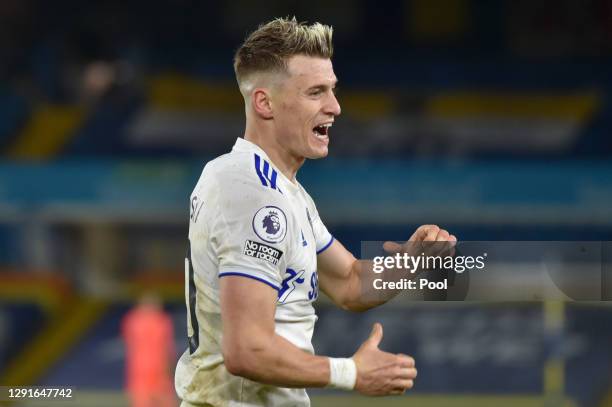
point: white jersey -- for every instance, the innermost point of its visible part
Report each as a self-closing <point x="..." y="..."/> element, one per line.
<point x="247" y="219"/>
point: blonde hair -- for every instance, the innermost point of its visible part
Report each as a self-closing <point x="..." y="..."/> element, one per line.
<point x="268" y="48"/>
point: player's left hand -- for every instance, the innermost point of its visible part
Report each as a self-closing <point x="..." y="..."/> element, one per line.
<point x="431" y="233"/>
<point x="425" y="239"/>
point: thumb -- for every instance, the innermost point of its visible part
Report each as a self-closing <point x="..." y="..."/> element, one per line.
<point x="376" y="335"/>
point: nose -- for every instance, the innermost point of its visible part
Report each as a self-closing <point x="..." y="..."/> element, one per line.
<point x="333" y="107"/>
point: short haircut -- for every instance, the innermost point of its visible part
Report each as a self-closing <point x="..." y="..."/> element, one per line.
<point x="268" y="48"/>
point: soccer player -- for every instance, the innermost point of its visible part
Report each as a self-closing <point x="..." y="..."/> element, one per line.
<point x="258" y="250"/>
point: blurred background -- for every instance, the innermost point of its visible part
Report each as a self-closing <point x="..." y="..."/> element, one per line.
<point x="491" y="118"/>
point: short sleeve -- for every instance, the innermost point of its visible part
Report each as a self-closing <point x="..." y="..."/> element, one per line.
<point x="249" y="232"/>
<point x="323" y="238"/>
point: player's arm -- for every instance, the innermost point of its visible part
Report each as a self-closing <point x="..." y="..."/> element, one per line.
<point x="250" y="346"/>
<point x="341" y="277"/>
<point x="253" y="350"/>
<point x="345" y="279"/>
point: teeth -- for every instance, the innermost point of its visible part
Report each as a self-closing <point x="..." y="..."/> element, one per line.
<point x="325" y="126"/>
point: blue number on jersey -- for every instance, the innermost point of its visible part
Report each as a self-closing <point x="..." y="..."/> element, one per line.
<point x="314" y="285"/>
<point x="289" y="284"/>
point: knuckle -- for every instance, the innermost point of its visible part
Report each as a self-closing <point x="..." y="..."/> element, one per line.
<point x="404" y="360"/>
<point x="429" y="228"/>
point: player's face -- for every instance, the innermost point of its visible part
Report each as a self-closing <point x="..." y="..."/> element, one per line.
<point x="306" y="107"/>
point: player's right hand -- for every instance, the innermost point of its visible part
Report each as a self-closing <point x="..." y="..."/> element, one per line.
<point x="381" y="373"/>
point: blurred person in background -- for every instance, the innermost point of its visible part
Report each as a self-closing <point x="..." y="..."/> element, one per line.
<point x="150" y="353"/>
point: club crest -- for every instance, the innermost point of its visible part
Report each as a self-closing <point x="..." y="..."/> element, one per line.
<point x="270" y="224"/>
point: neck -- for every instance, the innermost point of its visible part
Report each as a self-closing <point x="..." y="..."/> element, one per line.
<point x="282" y="159"/>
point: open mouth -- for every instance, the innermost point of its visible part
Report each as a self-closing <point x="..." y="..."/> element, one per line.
<point x="322" y="131"/>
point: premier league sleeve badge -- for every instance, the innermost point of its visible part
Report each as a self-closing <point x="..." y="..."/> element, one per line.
<point x="270" y="224"/>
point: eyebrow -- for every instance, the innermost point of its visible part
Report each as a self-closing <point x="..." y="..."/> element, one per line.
<point x="334" y="85"/>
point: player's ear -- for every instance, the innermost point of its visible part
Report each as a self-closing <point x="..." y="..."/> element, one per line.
<point x="260" y="100"/>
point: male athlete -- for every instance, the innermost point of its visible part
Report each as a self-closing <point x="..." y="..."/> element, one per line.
<point x="259" y="250"/>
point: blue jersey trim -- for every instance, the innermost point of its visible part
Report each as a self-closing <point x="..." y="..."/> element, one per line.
<point x="273" y="179"/>
<point x="326" y="246"/>
<point x="259" y="174"/>
<point x="249" y="276"/>
<point x="267" y="174"/>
